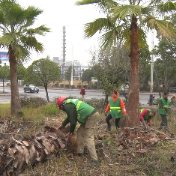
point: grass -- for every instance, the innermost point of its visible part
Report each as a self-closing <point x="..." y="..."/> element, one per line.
<point x="4" y="110"/>
<point x="112" y="162"/>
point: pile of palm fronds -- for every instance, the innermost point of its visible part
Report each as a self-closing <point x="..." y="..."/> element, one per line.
<point x="17" y="152"/>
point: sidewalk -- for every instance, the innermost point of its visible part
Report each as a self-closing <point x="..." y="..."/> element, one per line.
<point x="5" y="93"/>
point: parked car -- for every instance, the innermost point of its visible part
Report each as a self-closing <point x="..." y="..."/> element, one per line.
<point x="124" y="89"/>
<point x="30" y="88"/>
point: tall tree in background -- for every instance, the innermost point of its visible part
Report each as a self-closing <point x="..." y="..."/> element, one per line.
<point x="19" y="39"/>
<point x="87" y="75"/>
<point x="112" y="69"/>
<point x="5" y="72"/>
<point x="43" y="71"/>
<point x="21" y="70"/>
<point x="125" y="22"/>
<point x="144" y="68"/>
<point x="165" y="65"/>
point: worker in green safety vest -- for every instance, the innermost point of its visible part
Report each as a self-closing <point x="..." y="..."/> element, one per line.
<point x="116" y="108"/>
<point x="87" y="116"/>
<point x="163" y="108"/>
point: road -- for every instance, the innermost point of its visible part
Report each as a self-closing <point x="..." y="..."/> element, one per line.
<point x="55" y="93"/>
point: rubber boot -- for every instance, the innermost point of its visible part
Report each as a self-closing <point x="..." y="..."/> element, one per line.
<point x="160" y="127"/>
<point x="109" y="128"/>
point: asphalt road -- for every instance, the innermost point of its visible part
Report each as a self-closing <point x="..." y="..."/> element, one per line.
<point x="55" y="93"/>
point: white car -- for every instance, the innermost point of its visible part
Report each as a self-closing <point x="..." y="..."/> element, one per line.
<point x="124" y="89"/>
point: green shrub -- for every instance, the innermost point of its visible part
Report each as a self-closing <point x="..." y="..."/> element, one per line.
<point x="96" y="103"/>
<point x="50" y="109"/>
<point x="32" y="102"/>
<point x="79" y="86"/>
<point x="85" y="86"/>
<point x="56" y="84"/>
<point x="62" y="85"/>
<point x="67" y="86"/>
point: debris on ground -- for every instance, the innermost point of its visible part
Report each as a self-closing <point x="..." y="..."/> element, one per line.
<point x="136" y="139"/>
<point x="17" y="152"/>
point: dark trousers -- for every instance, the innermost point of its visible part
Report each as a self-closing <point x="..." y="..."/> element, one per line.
<point x="109" y="117"/>
<point x="164" y="121"/>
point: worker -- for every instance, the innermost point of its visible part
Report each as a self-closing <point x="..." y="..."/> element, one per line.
<point x="87" y="116"/>
<point x="163" y="109"/>
<point x="116" y="107"/>
<point x="146" y="115"/>
<point x="83" y="92"/>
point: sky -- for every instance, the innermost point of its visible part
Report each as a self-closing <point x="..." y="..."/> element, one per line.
<point x="57" y="14"/>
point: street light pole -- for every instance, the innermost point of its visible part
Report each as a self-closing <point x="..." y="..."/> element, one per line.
<point x="151" y="84"/>
<point x="72" y="70"/>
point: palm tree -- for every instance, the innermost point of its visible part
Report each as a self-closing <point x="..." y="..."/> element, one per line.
<point x="122" y="24"/>
<point x="19" y="39"/>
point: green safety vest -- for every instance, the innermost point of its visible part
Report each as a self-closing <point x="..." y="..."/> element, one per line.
<point x="83" y="110"/>
<point x="147" y="115"/>
<point x="165" y="105"/>
<point x="115" y="109"/>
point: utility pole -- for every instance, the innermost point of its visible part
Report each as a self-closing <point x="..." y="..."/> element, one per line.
<point x="152" y="66"/>
<point x="152" y="63"/>
<point x="72" y="70"/>
<point x="64" y="52"/>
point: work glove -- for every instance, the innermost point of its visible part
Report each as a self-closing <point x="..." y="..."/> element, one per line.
<point x="144" y="124"/>
<point x="105" y="114"/>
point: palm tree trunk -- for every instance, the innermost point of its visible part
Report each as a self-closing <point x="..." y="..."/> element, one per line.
<point x="133" y="96"/>
<point x="15" y="101"/>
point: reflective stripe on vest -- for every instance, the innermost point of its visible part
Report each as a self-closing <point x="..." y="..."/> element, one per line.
<point x="119" y="109"/>
<point x="115" y="108"/>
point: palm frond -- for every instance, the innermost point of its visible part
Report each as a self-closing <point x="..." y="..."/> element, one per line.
<point x="97" y="25"/>
<point x="40" y="30"/>
<point x="104" y="5"/>
<point x="108" y="39"/>
<point x="142" y="43"/>
<point x="6" y="39"/>
<point x="146" y="10"/>
<point x="85" y="2"/>
<point x="124" y="11"/>
<point x="155" y="2"/>
<point x="164" y="28"/>
<point x="32" y="12"/>
<point x="166" y="7"/>
<point x="21" y="53"/>
<point x="107" y="3"/>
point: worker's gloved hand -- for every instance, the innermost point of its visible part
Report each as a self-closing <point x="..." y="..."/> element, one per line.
<point x="105" y="114"/>
<point x="144" y="124"/>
